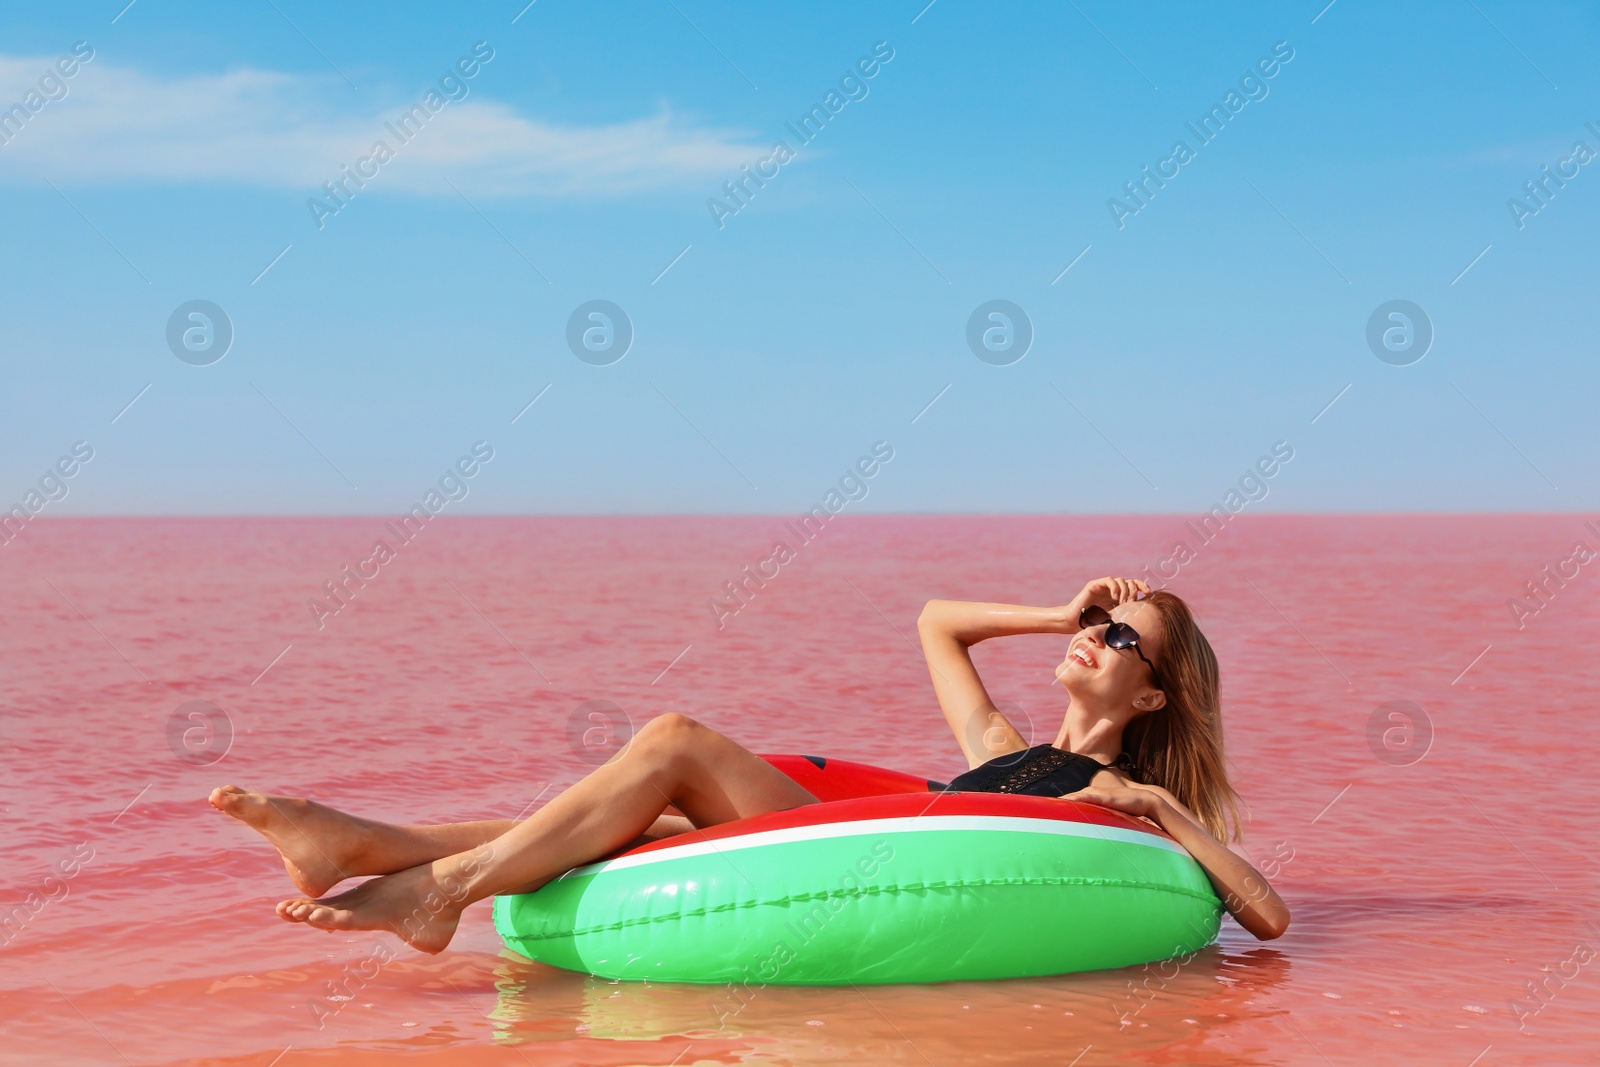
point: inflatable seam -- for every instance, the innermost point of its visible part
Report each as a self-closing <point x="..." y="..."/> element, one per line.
<point x="800" y="898"/>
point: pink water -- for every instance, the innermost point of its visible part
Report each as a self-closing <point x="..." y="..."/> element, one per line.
<point x="1425" y="897"/>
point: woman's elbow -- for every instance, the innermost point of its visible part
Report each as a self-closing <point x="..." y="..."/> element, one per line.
<point x="1274" y="924"/>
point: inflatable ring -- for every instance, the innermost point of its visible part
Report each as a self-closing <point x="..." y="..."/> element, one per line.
<point x="888" y="879"/>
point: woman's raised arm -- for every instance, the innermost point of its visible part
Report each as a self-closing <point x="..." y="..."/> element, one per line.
<point x="948" y="628"/>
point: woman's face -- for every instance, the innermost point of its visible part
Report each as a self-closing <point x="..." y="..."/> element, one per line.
<point x="1112" y="677"/>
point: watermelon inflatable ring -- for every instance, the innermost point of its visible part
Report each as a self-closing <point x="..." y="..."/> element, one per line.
<point x="888" y="879"/>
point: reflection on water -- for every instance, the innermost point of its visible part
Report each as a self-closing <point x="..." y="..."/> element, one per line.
<point x="1151" y="1013"/>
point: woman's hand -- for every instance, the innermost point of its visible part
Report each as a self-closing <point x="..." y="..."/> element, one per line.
<point x="1141" y="803"/>
<point x="1106" y="593"/>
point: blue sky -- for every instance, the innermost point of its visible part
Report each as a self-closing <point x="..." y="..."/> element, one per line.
<point x="772" y="350"/>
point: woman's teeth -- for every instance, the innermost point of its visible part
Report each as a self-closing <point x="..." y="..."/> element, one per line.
<point x="1082" y="657"/>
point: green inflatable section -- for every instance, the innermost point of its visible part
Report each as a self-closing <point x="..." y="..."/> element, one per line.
<point x="903" y="905"/>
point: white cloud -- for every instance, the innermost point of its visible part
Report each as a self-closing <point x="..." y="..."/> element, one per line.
<point x="265" y="128"/>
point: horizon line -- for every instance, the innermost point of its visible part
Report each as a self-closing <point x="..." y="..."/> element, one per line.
<point x="787" y="514"/>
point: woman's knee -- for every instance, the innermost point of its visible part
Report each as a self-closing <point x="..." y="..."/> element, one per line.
<point x="668" y="731"/>
<point x="669" y="741"/>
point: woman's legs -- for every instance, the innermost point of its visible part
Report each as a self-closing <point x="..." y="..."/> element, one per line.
<point x="322" y="846"/>
<point x="673" y="761"/>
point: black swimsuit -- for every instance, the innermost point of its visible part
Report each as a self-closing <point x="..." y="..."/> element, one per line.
<point x="1040" y="771"/>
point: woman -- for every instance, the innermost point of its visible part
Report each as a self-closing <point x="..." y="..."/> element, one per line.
<point x="1143" y="683"/>
<point x="1143" y="734"/>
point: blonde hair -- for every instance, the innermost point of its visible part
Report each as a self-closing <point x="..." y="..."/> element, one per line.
<point x="1179" y="746"/>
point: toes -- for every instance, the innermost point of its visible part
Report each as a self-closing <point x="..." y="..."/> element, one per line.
<point x="295" y="911"/>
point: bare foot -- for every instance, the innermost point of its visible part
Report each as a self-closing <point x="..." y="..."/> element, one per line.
<point x="410" y="904"/>
<point x="320" y="846"/>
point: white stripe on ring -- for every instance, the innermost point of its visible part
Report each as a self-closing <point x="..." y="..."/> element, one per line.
<point x="869" y="827"/>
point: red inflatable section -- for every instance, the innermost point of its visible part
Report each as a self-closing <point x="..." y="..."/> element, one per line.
<point x="837" y="779"/>
<point x="855" y="791"/>
<point x="907" y="805"/>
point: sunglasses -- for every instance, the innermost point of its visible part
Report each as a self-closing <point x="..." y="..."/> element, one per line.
<point x="1119" y="635"/>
